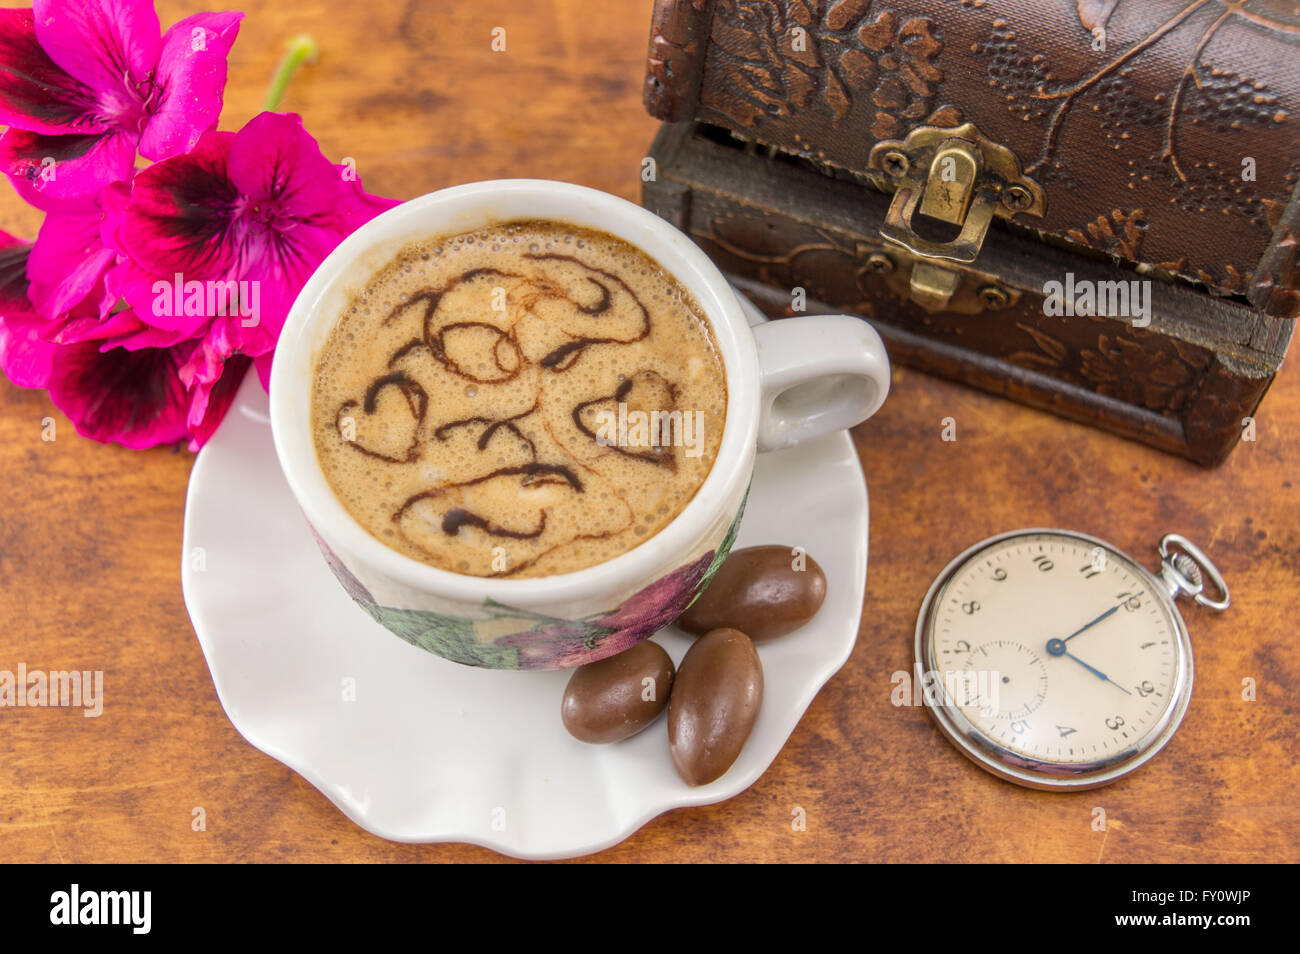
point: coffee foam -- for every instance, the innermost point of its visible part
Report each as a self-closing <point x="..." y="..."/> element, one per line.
<point x="457" y="405"/>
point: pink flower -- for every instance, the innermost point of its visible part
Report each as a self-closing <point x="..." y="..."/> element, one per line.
<point x="128" y="391"/>
<point x="260" y="208"/>
<point x="147" y="296"/>
<point x="86" y="83"/>
<point x="73" y="264"/>
<point x="133" y="396"/>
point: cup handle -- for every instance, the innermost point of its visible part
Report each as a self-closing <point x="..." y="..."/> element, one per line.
<point x="820" y="374"/>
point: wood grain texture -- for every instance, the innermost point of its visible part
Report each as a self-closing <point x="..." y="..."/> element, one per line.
<point x="90" y="540"/>
<point x="1139" y="140"/>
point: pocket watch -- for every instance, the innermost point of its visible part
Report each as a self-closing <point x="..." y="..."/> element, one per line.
<point x="1054" y="660"/>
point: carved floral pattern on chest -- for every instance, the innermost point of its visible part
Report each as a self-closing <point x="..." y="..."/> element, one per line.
<point x="1162" y="130"/>
<point x="779" y="57"/>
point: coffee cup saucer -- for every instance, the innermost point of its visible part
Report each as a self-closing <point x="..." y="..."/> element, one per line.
<point x="414" y="748"/>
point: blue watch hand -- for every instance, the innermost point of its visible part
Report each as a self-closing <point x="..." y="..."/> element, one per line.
<point x="1087" y="626"/>
<point x="1056" y="647"/>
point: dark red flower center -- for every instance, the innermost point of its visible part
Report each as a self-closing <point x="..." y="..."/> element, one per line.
<point x="263" y="214"/>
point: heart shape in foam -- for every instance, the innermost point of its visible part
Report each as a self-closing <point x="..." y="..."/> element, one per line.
<point x="386" y="423"/>
<point x="634" y="419"/>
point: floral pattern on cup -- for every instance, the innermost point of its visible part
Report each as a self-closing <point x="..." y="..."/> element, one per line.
<point x="506" y="637"/>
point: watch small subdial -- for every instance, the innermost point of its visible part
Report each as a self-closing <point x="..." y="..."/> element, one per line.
<point x="1009" y="680"/>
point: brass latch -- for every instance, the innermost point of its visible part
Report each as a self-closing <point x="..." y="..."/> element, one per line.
<point x="957" y="176"/>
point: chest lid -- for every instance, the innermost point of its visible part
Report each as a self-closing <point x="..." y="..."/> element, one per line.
<point x="1160" y="132"/>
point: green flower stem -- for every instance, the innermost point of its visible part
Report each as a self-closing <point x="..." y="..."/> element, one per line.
<point x="299" y="50"/>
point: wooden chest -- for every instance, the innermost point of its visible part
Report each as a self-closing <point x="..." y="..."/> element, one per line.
<point x="1089" y="206"/>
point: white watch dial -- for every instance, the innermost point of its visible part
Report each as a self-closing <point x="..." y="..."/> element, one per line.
<point x="1056" y="648"/>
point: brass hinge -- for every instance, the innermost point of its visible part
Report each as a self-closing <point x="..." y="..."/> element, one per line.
<point x="955" y="175"/>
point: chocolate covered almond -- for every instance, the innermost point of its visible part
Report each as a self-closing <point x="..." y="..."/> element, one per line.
<point x="764" y="592"/>
<point x="614" y="698"/>
<point x="715" y="702"/>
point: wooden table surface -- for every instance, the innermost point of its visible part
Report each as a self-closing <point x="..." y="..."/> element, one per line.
<point x="90" y="539"/>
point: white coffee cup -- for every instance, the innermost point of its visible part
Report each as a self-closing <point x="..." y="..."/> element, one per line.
<point x="787" y="381"/>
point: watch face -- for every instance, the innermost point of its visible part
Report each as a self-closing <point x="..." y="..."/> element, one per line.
<point x="1055" y="652"/>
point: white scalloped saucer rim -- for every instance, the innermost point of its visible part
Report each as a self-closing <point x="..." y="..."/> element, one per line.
<point x="218" y="639"/>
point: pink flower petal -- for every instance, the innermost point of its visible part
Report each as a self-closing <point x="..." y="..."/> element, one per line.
<point x="25" y="357"/>
<point x="61" y="167"/>
<point x="214" y="372"/>
<point x="35" y="94"/>
<point x="180" y="212"/>
<point x="263" y="364"/>
<point x="107" y="331"/>
<point x="361" y="206"/>
<point x="129" y="332"/>
<point x="69" y="259"/>
<point x="154" y="299"/>
<point x="113" y="201"/>
<point x="13" y="273"/>
<point x="82" y="279"/>
<point x="206" y="413"/>
<point x="109" y="45"/>
<point x="273" y="157"/>
<point x="33" y="196"/>
<point x="133" y="398"/>
<point x="284" y="268"/>
<point x="190" y="82"/>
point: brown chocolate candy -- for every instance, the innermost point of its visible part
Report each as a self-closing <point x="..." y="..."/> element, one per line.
<point x="715" y="702"/>
<point x="758" y="591"/>
<point x="610" y="700"/>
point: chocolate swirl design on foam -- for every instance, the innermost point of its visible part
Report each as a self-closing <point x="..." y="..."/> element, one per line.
<point x="655" y="454"/>
<point x="458" y="517"/>
<point x="416" y="400"/>
<point x="436" y="341"/>
<point x="493" y="425"/>
<point x="563" y="357"/>
<point x="499" y="344"/>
